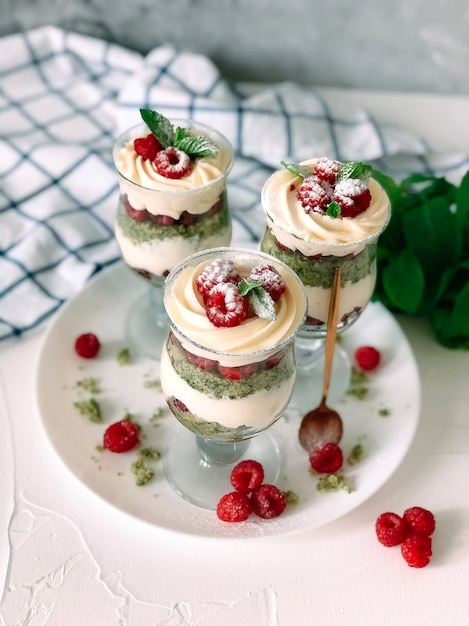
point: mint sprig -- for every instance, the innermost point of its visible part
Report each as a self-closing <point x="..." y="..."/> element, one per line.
<point x="194" y="145"/>
<point x="298" y="170"/>
<point x="260" y="300"/>
<point x="423" y="254"/>
<point x="354" y="169"/>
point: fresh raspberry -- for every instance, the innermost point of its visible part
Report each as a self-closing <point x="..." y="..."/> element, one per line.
<point x="353" y="196"/>
<point x="138" y="215"/>
<point x="161" y="220"/>
<point x="238" y="373"/>
<point x="218" y="271"/>
<point x="312" y="195"/>
<point x="121" y="436"/>
<point x="270" y="279"/>
<point x="390" y="529"/>
<point x="367" y="358"/>
<point x="87" y="345"/>
<point x="326" y="458"/>
<point x="188" y="219"/>
<point x="326" y="169"/>
<point x="225" y="306"/>
<point x="417" y="550"/>
<point x="268" y="501"/>
<point x="147" y="147"/>
<point x="201" y="362"/>
<point x="247" y="475"/>
<point x="234" y="507"/>
<point x="419" y="521"/>
<point x="172" y="163"/>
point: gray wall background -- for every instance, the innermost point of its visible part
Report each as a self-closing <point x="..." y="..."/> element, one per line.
<point x="405" y="45"/>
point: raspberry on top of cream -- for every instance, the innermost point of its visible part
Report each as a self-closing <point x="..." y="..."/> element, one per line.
<point x="277" y="320"/>
<point x="187" y="162"/>
<point x="323" y="207"/>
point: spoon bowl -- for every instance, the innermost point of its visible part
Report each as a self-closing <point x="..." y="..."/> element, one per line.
<point x="323" y="424"/>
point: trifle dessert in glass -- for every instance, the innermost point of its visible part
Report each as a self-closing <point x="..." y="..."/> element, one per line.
<point x="228" y="368"/>
<point x="172" y="203"/>
<point x="322" y="214"/>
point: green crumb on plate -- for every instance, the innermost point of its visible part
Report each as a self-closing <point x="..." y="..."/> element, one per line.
<point x="333" y="482"/>
<point x="90" y="385"/>
<point x="123" y="356"/>
<point x="384" y="412"/>
<point x="142" y="470"/>
<point x="158" y="413"/>
<point x="357" y="387"/>
<point x="356" y="454"/>
<point x="291" y="496"/>
<point x="90" y="409"/>
<point x="153" y="384"/>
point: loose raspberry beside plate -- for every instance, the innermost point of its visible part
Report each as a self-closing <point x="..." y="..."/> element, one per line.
<point x="417" y="550"/>
<point x="390" y="529"/>
<point x="419" y="521"/>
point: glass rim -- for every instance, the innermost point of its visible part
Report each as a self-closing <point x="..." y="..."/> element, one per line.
<point x="212" y="133"/>
<point x="213" y="253"/>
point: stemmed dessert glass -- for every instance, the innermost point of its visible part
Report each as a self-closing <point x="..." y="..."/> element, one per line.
<point x="163" y="219"/>
<point x="226" y="385"/>
<point x="314" y="251"/>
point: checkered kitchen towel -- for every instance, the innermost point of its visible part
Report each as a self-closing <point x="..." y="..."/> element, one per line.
<point x="64" y="98"/>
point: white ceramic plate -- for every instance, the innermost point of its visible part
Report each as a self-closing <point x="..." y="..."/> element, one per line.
<point x="101" y="308"/>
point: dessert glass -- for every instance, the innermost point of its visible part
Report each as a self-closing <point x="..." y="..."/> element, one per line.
<point x="225" y="385"/>
<point x="160" y="221"/>
<point x="313" y="245"/>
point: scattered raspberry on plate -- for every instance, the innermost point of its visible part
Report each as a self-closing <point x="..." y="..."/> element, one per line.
<point x="121" y="436"/>
<point x="87" y="345"/>
<point x="268" y="501"/>
<point x="234" y="507"/>
<point x="247" y="475"/>
<point x="326" y="458"/>
<point x="367" y="358"/>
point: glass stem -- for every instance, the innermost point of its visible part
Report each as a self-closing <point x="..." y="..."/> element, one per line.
<point x="158" y="312"/>
<point x="308" y="352"/>
<point x="216" y="453"/>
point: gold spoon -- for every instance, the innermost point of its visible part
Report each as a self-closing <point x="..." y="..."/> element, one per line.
<point x="323" y="424"/>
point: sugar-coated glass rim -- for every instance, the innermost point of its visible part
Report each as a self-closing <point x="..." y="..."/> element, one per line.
<point x="138" y="129"/>
<point x="212" y="253"/>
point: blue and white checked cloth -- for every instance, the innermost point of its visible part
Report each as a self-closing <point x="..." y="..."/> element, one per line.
<point x="64" y="98"/>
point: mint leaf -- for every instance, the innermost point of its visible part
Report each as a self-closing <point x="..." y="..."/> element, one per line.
<point x="333" y="209"/>
<point x="246" y="285"/>
<point x="298" y="170"/>
<point x="194" y="146"/>
<point x="354" y="169"/>
<point x="260" y="300"/>
<point x="159" y="126"/>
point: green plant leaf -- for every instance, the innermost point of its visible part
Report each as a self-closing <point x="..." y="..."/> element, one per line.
<point x="404" y="282"/>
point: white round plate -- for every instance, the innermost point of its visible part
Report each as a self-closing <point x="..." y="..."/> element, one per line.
<point x="384" y="422"/>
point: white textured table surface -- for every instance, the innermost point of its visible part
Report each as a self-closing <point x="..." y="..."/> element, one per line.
<point x="66" y="558"/>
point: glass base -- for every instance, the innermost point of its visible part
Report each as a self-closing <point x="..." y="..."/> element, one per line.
<point x="307" y="392"/>
<point x="147" y="324"/>
<point x="202" y="482"/>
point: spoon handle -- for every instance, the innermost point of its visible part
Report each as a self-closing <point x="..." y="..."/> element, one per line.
<point x="331" y="334"/>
